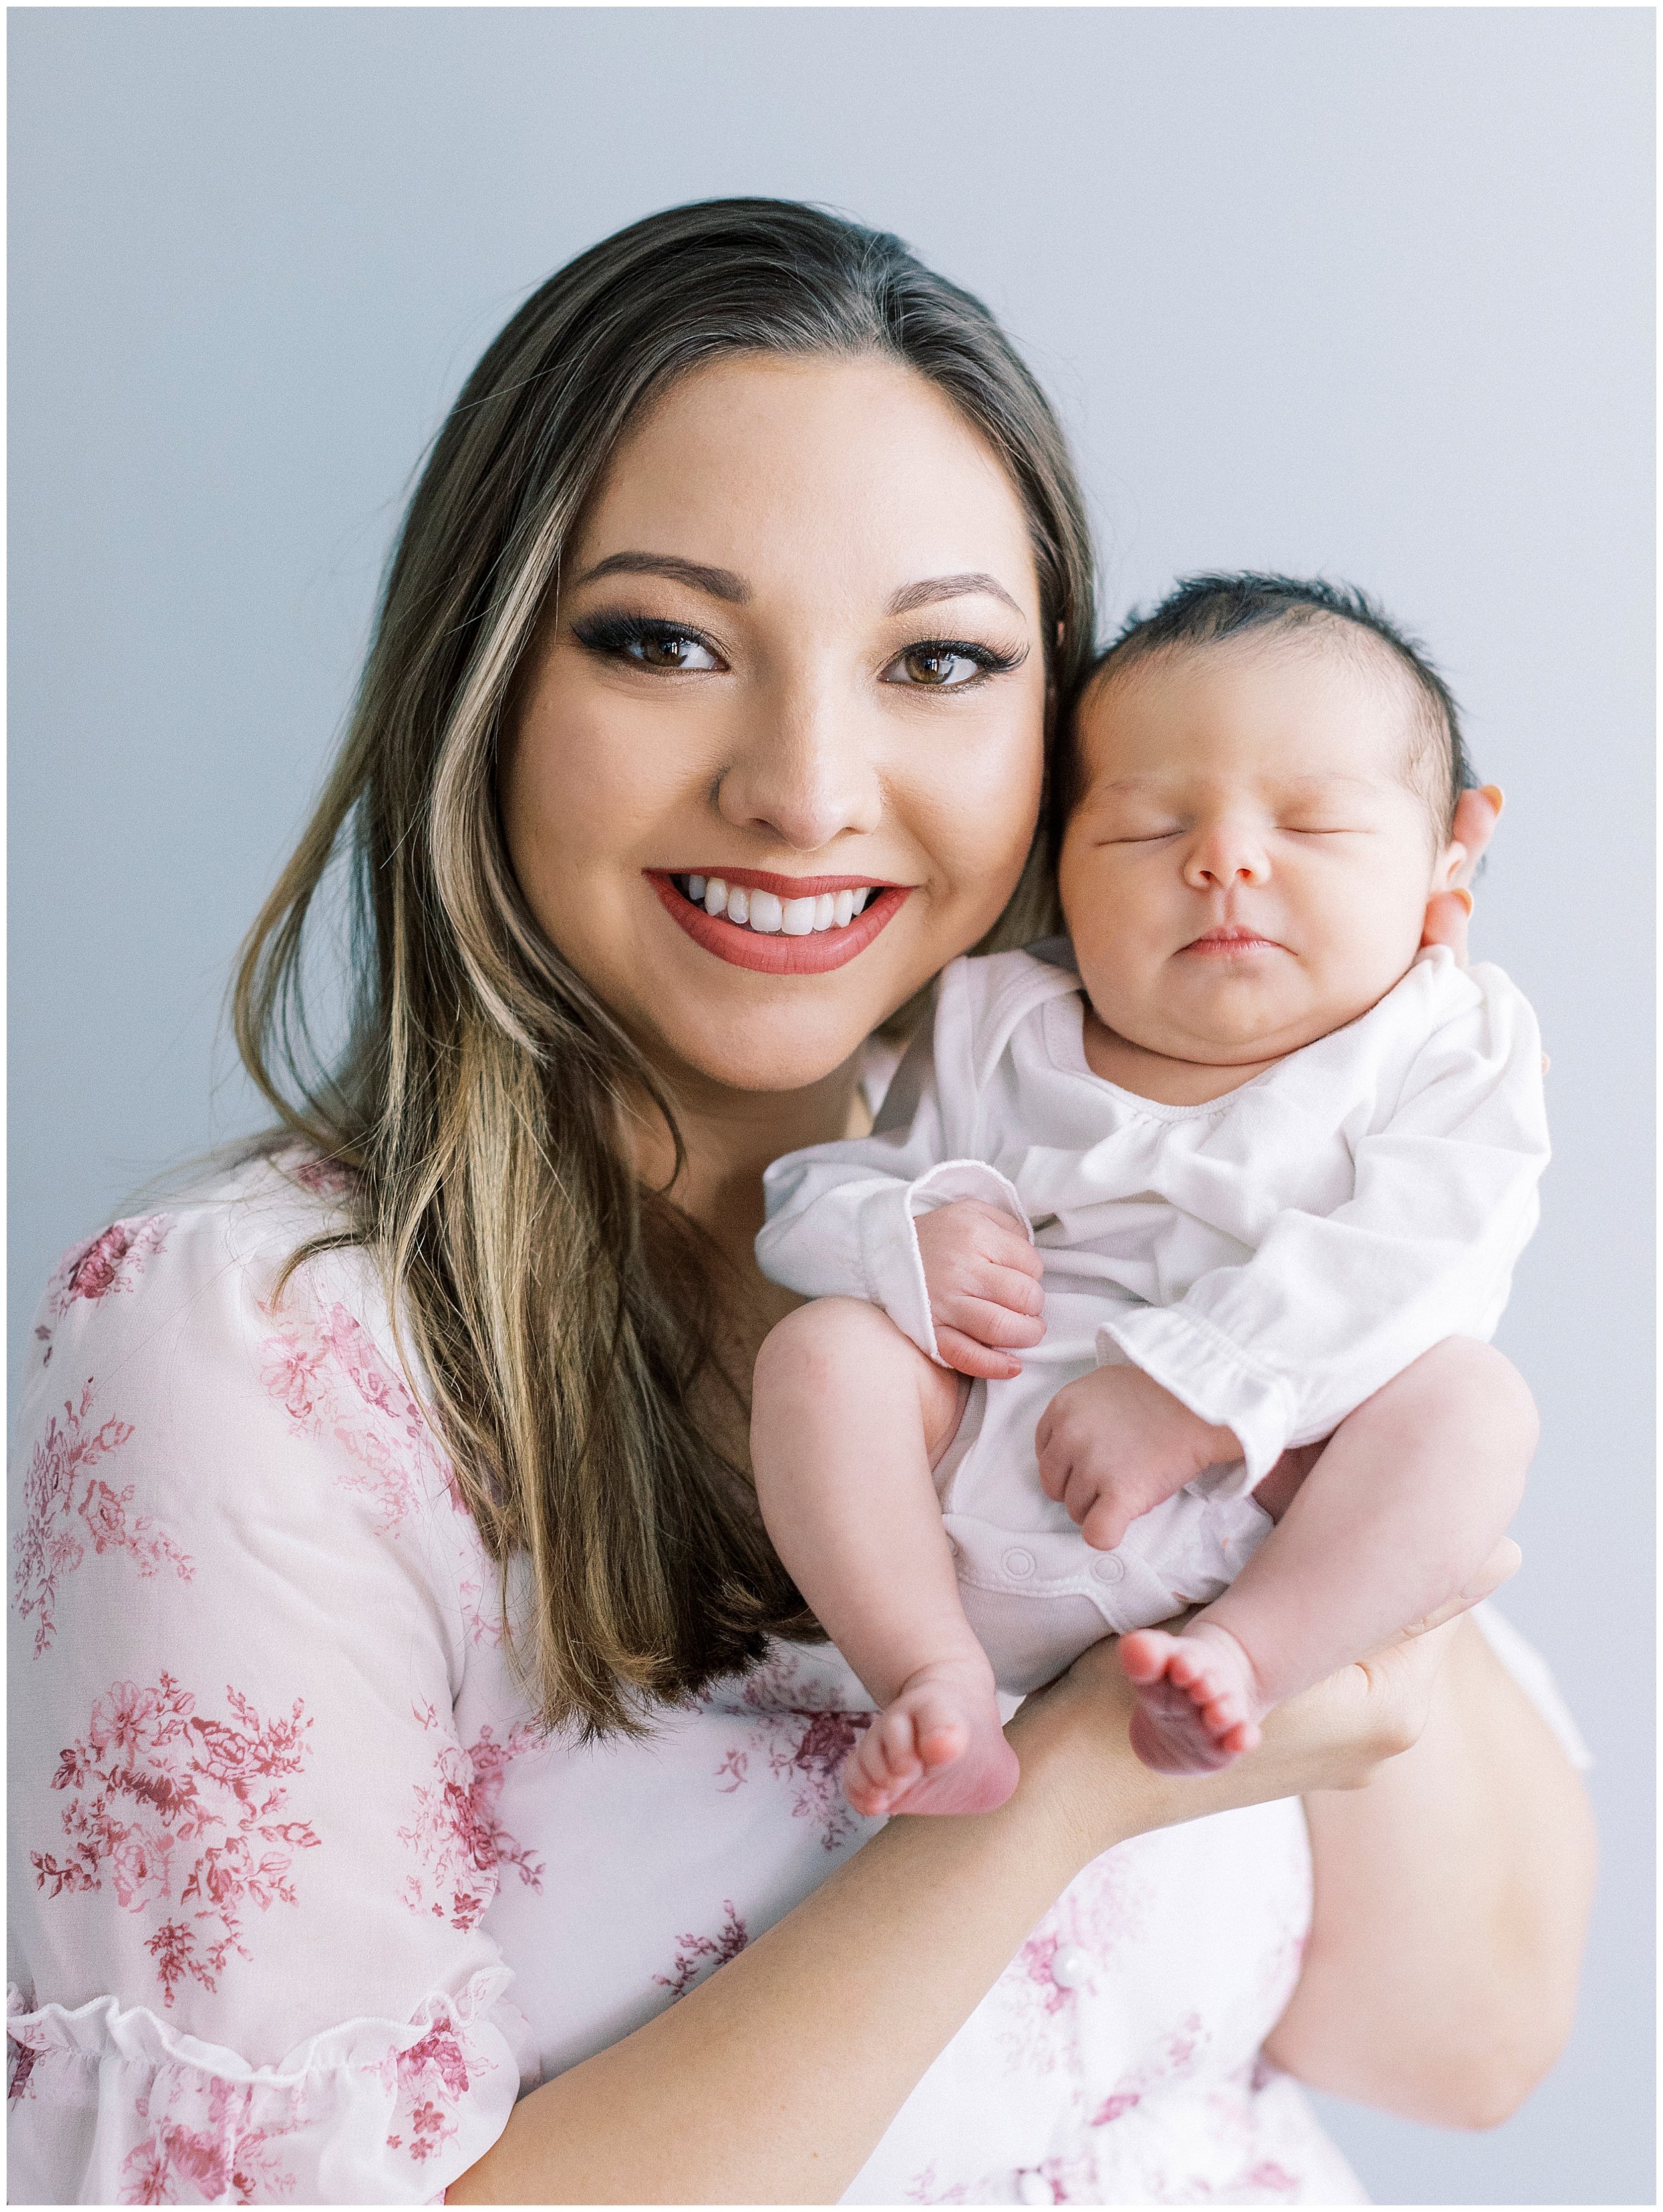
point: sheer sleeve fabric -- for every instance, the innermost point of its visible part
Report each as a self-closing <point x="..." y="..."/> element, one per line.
<point x="249" y="1865"/>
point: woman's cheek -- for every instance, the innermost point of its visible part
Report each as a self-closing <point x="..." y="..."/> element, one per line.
<point x="981" y="813"/>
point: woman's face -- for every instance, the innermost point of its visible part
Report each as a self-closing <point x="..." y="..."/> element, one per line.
<point x="797" y="657"/>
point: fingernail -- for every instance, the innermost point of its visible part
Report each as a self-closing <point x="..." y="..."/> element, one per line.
<point x="1495" y="794"/>
<point x="1466" y="897"/>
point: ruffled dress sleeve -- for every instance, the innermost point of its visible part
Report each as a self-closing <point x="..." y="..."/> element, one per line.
<point x="247" y="1960"/>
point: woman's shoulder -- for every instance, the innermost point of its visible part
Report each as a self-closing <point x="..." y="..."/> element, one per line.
<point x="209" y="1250"/>
<point x="181" y="1351"/>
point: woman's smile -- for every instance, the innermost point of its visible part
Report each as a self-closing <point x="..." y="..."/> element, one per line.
<point x="778" y="925"/>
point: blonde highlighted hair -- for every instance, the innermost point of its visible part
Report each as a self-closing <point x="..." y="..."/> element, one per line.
<point x="559" y="1310"/>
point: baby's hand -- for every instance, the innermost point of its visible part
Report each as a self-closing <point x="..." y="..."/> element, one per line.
<point x="982" y="1277"/>
<point x="1115" y="1444"/>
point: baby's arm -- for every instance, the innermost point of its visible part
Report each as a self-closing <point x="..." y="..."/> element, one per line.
<point x="863" y="1217"/>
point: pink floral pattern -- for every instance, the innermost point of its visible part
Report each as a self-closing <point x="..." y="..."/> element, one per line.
<point x="177" y="1810"/>
<point x="429" y="2079"/>
<point x="698" y="1955"/>
<point x="318" y="1177"/>
<point x="925" y="2189"/>
<point x="109" y="1263"/>
<point x="1105" y="1911"/>
<point x="802" y="1743"/>
<point x="1172" y="2058"/>
<point x="69" y="1507"/>
<point x="226" y="2158"/>
<point x="457" y="1835"/>
<point x="21" y="2058"/>
<point x="333" y="1383"/>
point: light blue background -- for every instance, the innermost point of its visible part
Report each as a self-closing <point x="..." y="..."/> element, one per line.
<point x="1359" y="290"/>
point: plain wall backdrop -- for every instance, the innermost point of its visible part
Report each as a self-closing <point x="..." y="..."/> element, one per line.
<point x="1363" y="291"/>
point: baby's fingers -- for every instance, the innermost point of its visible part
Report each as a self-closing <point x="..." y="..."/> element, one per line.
<point x="990" y="1323"/>
<point x="965" y="1357"/>
<point x="1007" y="1286"/>
<point x="1008" y="1247"/>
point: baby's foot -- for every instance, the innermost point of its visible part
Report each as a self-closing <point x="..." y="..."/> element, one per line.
<point x="937" y="1747"/>
<point x="1198" y="1699"/>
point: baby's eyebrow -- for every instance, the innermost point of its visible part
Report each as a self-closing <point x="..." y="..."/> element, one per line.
<point x="1168" y="785"/>
<point x="1331" y="776"/>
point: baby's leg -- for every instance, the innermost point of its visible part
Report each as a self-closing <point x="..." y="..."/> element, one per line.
<point x="1405" y="1505"/>
<point x="848" y="1419"/>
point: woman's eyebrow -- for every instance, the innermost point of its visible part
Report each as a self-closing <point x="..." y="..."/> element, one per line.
<point x="949" y="587"/>
<point x="720" y="583"/>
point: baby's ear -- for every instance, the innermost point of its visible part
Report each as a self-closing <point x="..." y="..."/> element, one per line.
<point x="1451" y="868"/>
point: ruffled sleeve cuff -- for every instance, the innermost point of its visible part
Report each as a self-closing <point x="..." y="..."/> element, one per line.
<point x="118" y="2108"/>
<point x="890" y="1257"/>
<point x="1214" y="1377"/>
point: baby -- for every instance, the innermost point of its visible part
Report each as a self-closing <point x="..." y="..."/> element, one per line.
<point x="1240" y="1169"/>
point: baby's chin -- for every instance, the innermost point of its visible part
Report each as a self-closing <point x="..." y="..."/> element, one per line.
<point x="1233" y="1035"/>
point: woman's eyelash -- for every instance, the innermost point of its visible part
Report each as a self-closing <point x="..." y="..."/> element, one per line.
<point x="616" y="633"/>
<point x="985" y="660"/>
<point x="987" y="657"/>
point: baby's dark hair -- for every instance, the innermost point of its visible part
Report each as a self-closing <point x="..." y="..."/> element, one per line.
<point x="1206" y="610"/>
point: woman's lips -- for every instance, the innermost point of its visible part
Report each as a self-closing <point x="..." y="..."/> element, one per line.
<point x="815" y="953"/>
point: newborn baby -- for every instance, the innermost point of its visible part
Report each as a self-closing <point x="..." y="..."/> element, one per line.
<point x="1240" y="1170"/>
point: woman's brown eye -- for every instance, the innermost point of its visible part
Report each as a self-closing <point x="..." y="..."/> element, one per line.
<point x="667" y="651"/>
<point x="938" y="665"/>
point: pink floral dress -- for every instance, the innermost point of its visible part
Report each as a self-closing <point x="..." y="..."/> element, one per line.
<point x="303" y="1899"/>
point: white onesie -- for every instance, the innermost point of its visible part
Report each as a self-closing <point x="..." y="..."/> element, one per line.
<point x="1272" y="1257"/>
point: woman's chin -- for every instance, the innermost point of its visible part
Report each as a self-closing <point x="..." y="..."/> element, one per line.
<point x="762" y="1056"/>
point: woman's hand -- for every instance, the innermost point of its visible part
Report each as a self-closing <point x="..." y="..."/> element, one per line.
<point x="1071" y="1738"/>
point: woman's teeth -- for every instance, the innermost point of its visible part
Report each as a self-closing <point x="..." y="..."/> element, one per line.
<point x="772" y="916"/>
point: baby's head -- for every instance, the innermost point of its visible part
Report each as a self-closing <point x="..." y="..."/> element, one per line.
<point x="1265" y="778"/>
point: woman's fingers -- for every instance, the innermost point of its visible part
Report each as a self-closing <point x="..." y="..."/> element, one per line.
<point x="1477" y="813"/>
<point x="1500" y="1567"/>
<point x="1446" y="917"/>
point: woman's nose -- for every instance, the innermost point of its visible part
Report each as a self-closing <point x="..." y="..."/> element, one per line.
<point x="802" y="772"/>
<point x="1227" y="857"/>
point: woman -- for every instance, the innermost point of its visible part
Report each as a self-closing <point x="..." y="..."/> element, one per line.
<point x="414" y="1707"/>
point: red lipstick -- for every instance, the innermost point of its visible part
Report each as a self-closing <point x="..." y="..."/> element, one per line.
<point x="817" y="954"/>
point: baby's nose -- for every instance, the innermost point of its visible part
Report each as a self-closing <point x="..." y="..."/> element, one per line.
<point x="1223" y="862"/>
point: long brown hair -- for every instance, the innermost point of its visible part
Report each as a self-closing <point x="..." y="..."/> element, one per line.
<point x="557" y="1306"/>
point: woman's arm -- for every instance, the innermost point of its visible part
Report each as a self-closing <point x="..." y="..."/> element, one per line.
<point x="1440" y="1978"/>
<point x="773" y="2081"/>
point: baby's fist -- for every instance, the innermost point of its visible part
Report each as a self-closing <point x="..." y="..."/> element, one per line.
<point x="1115" y="1444"/>
<point x="982" y="1277"/>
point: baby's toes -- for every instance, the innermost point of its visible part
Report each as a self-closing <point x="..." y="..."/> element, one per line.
<point x="1221" y="1712"/>
<point x="1187" y="1666"/>
<point x="894" y="1747"/>
<point x="1144" y="1654"/>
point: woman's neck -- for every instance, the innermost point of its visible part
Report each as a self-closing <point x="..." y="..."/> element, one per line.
<point x="730" y="1137"/>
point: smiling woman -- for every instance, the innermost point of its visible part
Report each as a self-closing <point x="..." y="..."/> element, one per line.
<point x="733" y="704"/>
<point x="428" y="1769"/>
